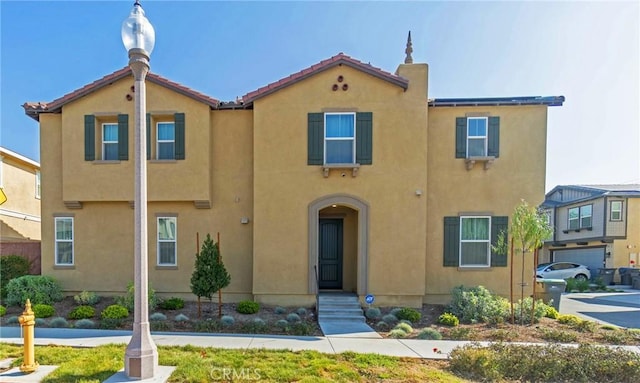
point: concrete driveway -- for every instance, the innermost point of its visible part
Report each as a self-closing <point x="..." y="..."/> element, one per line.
<point x="620" y="309"/>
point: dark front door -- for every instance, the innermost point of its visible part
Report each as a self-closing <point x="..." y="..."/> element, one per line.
<point x="330" y="255"/>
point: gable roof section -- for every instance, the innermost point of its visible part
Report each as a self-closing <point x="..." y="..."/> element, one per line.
<point x="339" y="59"/>
<point x="33" y="109"/>
<point x="590" y="192"/>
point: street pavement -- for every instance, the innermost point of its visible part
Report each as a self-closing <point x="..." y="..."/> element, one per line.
<point x="621" y="309"/>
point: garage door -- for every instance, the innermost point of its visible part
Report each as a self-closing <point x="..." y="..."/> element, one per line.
<point x="593" y="258"/>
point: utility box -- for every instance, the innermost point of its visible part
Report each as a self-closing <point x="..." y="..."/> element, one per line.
<point x="550" y="290"/>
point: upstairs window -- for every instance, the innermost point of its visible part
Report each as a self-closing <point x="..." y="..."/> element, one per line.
<point x="616" y="211"/>
<point x="477" y="137"/>
<point x="166" y="142"/>
<point x="110" y="142"/>
<point x="64" y="241"/>
<point x="166" y="136"/>
<point x="340" y="138"/>
<point x="580" y="217"/>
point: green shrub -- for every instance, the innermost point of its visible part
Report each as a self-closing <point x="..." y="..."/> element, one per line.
<point x="382" y="326"/>
<point x="114" y="312"/>
<point x="569" y="319"/>
<point x="282" y="324"/>
<point x="11" y="267"/>
<point x="160" y="326"/>
<point x="12" y="320"/>
<point x="558" y="336"/>
<point x="58" y="322"/>
<point x="545" y="363"/>
<point x="429" y="334"/>
<point x="172" y="304"/>
<point x="208" y="325"/>
<point x="82" y="312"/>
<point x="404" y="327"/>
<point x="572" y="285"/>
<point x="301" y="329"/>
<point x="181" y="318"/>
<point x="522" y="310"/>
<point x="85" y="323"/>
<point x="110" y="323"/>
<point x="583" y="286"/>
<point x="372" y="313"/>
<point x="279" y="310"/>
<point x="128" y="300"/>
<point x="448" y="319"/>
<point x="255" y="326"/>
<point x="390" y="319"/>
<point x="293" y="317"/>
<point x="477" y="304"/>
<point x="395" y="311"/>
<point x="397" y="333"/>
<point x="407" y="313"/>
<point x="301" y="311"/>
<point x="3" y="311"/>
<point x="227" y="320"/>
<point x="37" y="288"/>
<point x="87" y="298"/>
<point x="552" y="313"/>
<point x="248" y="307"/>
<point x="462" y="333"/>
<point x="43" y="311"/>
<point x="40" y="322"/>
<point x="157" y="317"/>
<point x="504" y="335"/>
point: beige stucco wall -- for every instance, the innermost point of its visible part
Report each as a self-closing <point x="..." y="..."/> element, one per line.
<point x="518" y="173"/>
<point x="628" y="249"/>
<point x="21" y="211"/>
<point x="284" y="185"/>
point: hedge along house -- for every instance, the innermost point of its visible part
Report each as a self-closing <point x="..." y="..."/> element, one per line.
<point x="339" y="177"/>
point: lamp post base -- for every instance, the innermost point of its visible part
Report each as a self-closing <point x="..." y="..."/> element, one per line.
<point x="141" y="356"/>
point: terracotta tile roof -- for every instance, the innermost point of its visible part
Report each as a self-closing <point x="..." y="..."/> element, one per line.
<point x="33" y="109"/>
<point x="339" y="59"/>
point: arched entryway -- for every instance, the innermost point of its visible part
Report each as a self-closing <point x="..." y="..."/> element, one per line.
<point x="339" y="223"/>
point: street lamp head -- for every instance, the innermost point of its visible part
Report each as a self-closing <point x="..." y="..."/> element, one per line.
<point x="137" y="31"/>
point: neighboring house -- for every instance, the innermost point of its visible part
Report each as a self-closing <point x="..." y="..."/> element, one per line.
<point x="595" y="225"/>
<point x="20" y="212"/>
<point x="341" y="170"/>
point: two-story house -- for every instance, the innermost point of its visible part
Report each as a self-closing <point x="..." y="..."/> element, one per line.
<point x="595" y="225"/>
<point x="342" y="176"/>
<point x="20" y="207"/>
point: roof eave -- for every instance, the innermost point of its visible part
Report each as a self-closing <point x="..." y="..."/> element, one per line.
<point x="500" y="101"/>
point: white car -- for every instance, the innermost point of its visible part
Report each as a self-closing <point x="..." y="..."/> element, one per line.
<point x="563" y="270"/>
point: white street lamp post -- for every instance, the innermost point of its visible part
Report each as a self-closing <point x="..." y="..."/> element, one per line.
<point x="141" y="356"/>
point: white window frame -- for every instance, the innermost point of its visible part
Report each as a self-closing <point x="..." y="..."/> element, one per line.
<point x="487" y="241"/>
<point x="569" y="219"/>
<point x="583" y="216"/>
<point x="105" y="143"/>
<point x="174" y="241"/>
<point x="159" y="141"/>
<point x="57" y="241"/>
<point x="618" y="210"/>
<point x="485" y="138"/>
<point x="38" y="186"/>
<point x="352" y="139"/>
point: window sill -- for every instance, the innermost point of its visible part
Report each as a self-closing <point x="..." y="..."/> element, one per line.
<point x="156" y="161"/>
<point x="64" y="267"/>
<point x="166" y="267"/>
<point x="327" y="167"/>
<point x="471" y="161"/>
<point x="566" y="231"/>
<point x="474" y="268"/>
<point x="106" y="162"/>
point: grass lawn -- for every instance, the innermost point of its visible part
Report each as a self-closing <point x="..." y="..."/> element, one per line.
<point x="197" y="364"/>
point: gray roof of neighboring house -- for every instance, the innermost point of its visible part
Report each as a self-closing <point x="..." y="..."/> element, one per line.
<point x="591" y="192"/>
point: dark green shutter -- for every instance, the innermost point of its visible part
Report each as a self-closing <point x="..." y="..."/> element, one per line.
<point x="451" y="241"/>
<point x="148" y="136"/>
<point x="315" y="139"/>
<point x="123" y="137"/>
<point x="498" y="225"/>
<point x="179" y="126"/>
<point x="461" y="137"/>
<point x="89" y="137"/>
<point x="493" y="147"/>
<point x="364" y="138"/>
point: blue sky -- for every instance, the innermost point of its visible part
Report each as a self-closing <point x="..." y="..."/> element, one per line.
<point x="587" y="51"/>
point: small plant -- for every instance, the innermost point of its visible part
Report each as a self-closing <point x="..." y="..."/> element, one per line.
<point x="569" y="319"/>
<point x="301" y="311"/>
<point x="12" y="320"/>
<point x="522" y="310"/>
<point x="583" y="285"/>
<point x="255" y="326"/>
<point x="372" y="313"/>
<point x="227" y="320"/>
<point x="248" y="307"/>
<point x="404" y="327"/>
<point x="504" y="335"/>
<point x="181" y="318"/>
<point x="586" y="326"/>
<point x="160" y="326"/>
<point x="279" y="310"/>
<point x="390" y="319"/>
<point x="127" y="300"/>
<point x="552" y="313"/>
<point x="608" y="327"/>
<point x="382" y="326"/>
<point x="85" y="323"/>
<point x="462" y="333"/>
<point x="58" y="322"/>
<point x="37" y="288"/>
<point x="114" y="312"/>
<point x="600" y="285"/>
<point x="43" y="311"/>
<point x="282" y="324"/>
<point x="429" y="334"/>
<point x="110" y="323"/>
<point x="40" y="322"/>
<point x="3" y="311"/>
<point x="448" y="319"/>
<point x="559" y="336"/>
<point x="157" y="317"/>
<point x="11" y="266"/>
<point x="301" y="329"/>
<point x="82" y="312"/>
<point x="572" y="285"/>
<point x="86" y="298"/>
<point x="395" y="311"/>
<point x="172" y="304"/>
<point x="208" y="325"/>
<point x="410" y="314"/>
<point x="293" y="317"/>
<point x="478" y="305"/>
<point x="397" y="333"/>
